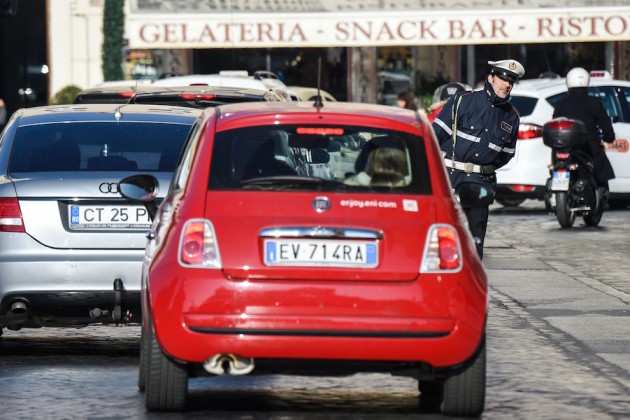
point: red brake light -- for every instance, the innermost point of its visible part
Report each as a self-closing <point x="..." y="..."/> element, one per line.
<point x="127" y="94"/>
<point x="448" y="250"/>
<point x="563" y="124"/>
<point x="192" y="244"/>
<point x="198" y="247"/>
<point x="442" y="251"/>
<point x="197" y="96"/>
<point x="10" y="215"/>
<point x="528" y="131"/>
<point x="522" y="188"/>
<point x="324" y="131"/>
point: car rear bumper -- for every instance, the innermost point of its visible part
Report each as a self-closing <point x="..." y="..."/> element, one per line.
<point x="517" y="192"/>
<point x="61" y="287"/>
<point x="434" y="321"/>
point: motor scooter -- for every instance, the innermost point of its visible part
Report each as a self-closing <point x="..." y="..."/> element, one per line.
<point x="571" y="189"/>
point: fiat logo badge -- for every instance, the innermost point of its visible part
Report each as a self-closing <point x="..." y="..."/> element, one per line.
<point x="321" y="204"/>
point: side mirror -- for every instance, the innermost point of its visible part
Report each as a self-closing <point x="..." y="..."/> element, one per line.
<point x="474" y="194"/>
<point x="141" y="188"/>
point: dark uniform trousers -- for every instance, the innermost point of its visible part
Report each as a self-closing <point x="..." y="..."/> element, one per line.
<point x="477" y="223"/>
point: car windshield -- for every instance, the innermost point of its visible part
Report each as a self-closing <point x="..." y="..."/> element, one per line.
<point x="319" y="158"/>
<point x="98" y="146"/>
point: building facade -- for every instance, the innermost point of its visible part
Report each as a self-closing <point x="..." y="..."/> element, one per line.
<point x="369" y="49"/>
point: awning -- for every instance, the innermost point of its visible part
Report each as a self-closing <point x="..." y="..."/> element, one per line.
<point x="500" y="25"/>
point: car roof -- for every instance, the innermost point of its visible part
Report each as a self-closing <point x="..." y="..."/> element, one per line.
<point x="211" y="80"/>
<point x="119" y="94"/>
<point x="351" y="109"/>
<point x="544" y="87"/>
<point x="306" y="93"/>
<point x="220" y="94"/>
<point x="107" y="112"/>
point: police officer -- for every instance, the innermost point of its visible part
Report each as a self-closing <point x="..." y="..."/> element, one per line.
<point x="579" y="105"/>
<point x="477" y="131"/>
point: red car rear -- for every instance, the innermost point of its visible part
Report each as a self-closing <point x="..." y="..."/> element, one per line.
<point x="295" y="237"/>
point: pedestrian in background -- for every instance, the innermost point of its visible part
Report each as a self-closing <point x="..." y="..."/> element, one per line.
<point x="477" y="132"/>
<point x="407" y="101"/>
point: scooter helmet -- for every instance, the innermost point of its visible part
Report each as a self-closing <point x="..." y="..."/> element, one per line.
<point x="577" y="77"/>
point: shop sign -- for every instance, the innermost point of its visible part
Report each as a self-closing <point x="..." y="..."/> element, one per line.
<point x="336" y="29"/>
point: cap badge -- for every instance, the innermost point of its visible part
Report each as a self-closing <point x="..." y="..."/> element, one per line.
<point x="512" y="65"/>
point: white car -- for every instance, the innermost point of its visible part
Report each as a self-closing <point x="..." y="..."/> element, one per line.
<point x="525" y="176"/>
<point x="231" y="78"/>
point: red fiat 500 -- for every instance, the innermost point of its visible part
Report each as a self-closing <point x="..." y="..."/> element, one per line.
<point x="298" y="238"/>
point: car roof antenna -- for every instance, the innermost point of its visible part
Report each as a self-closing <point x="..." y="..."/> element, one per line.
<point x="318" y="99"/>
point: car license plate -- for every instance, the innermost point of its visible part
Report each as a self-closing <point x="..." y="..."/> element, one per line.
<point x="329" y="253"/>
<point x="560" y="181"/>
<point x="108" y="217"/>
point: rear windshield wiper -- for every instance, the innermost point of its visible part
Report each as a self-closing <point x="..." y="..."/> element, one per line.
<point x="288" y="182"/>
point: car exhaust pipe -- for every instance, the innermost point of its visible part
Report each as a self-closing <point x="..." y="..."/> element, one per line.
<point x="19" y="308"/>
<point x="16" y="316"/>
<point x="229" y="364"/>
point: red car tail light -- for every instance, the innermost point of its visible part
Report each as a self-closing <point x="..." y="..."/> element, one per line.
<point x="324" y="131"/>
<point x="197" y="96"/>
<point x="198" y="247"/>
<point x="442" y="251"/>
<point x="522" y="188"/>
<point x="528" y="131"/>
<point x="10" y="215"/>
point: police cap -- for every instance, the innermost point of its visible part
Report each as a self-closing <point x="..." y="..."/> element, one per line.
<point x="511" y="70"/>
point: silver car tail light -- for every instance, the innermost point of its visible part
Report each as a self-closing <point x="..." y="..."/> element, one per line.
<point x="198" y="246"/>
<point x="442" y="251"/>
<point x="10" y="215"/>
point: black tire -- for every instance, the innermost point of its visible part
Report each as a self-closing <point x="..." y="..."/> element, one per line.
<point x="563" y="210"/>
<point x="166" y="381"/>
<point x="593" y="219"/>
<point x="145" y="347"/>
<point x="431" y="393"/>
<point x="510" y="202"/>
<point x="464" y="392"/>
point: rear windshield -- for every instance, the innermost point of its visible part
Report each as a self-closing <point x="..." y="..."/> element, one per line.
<point x="98" y="146"/>
<point x="319" y="158"/>
<point x="191" y="101"/>
<point x="524" y="104"/>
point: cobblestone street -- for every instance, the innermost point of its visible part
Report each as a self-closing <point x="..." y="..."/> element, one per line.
<point x="558" y="347"/>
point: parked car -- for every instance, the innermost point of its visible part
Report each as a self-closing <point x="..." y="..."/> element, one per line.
<point x="71" y="246"/>
<point x="228" y="78"/>
<point x="202" y="96"/>
<point x="526" y="175"/>
<point x="253" y="264"/>
<point x="309" y="93"/>
<point x="120" y="94"/>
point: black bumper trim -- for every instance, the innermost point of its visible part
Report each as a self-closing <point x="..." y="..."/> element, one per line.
<point x="321" y="333"/>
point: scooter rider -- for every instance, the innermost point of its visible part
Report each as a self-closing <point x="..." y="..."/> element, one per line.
<point x="477" y="131"/>
<point x="579" y="105"/>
